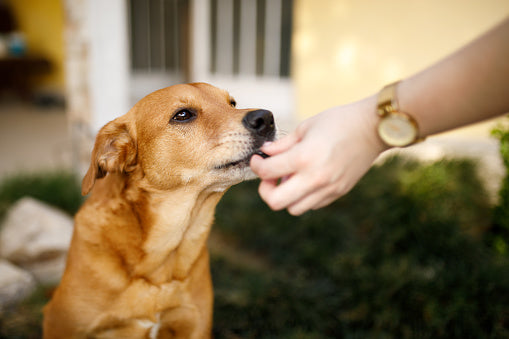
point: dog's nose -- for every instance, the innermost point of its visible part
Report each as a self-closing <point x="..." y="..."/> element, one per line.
<point x="260" y="122"/>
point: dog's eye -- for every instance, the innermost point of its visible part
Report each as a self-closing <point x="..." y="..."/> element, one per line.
<point x="233" y="103"/>
<point x="184" y="115"/>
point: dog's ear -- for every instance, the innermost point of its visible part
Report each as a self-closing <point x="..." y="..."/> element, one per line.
<point x="114" y="152"/>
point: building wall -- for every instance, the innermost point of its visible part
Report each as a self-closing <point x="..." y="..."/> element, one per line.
<point x="42" y="22"/>
<point x="347" y="49"/>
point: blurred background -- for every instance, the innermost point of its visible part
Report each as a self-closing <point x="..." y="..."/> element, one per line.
<point x="83" y="63"/>
<point x="435" y="246"/>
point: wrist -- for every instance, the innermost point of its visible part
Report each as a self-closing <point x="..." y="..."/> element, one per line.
<point x="371" y="120"/>
<point x="396" y="127"/>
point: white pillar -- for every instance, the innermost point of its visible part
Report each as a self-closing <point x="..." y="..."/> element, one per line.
<point x="247" y="59"/>
<point x="97" y="70"/>
<point x="109" y="60"/>
<point x="224" y="28"/>
<point x="200" y="40"/>
<point x="272" y="50"/>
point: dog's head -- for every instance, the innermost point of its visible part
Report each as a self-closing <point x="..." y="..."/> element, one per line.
<point x="188" y="134"/>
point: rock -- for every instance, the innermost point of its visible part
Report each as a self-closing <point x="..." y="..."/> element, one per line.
<point x="48" y="272"/>
<point x="15" y="284"/>
<point x="36" y="237"/>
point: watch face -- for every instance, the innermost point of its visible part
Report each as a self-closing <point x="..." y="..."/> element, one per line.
<point x="397" y="129"/>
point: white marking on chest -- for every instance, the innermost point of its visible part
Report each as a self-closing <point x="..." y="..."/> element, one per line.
<point x="153" y="326"/>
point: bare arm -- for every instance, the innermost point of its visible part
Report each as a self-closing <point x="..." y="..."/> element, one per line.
<point x="468" y="86"/>
<point x="328" y="153"/>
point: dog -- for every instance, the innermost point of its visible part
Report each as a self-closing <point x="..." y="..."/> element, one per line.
<point x="138" y="264"/>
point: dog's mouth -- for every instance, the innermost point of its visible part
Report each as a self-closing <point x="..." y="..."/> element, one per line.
<point x="244" y="162"/>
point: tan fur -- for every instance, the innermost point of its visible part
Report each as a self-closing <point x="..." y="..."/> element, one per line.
<point x="138" y="265"/>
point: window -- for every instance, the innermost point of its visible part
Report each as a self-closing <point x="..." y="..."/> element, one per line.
<point x="159" y="33"/>
<point x="247" y="38"/>
<point x="251" y="37"/>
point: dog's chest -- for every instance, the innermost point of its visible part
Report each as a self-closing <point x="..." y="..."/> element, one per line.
<point x="176" y="240"/>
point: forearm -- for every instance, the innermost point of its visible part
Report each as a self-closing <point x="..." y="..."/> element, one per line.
<point x="469" y="86"/>
<point x="328" y="153"/>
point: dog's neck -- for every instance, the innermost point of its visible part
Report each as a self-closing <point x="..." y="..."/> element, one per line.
<point x="173" y="230"/>
<point x="178" y="233"/>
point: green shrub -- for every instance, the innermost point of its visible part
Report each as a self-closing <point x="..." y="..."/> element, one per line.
<point x="25" y="320"/>
<point x="60" y="189"/>
<point x="500" y="236"/>
<point x="401" y="256"/>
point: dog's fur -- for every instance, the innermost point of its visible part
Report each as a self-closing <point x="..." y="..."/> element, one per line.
<point x="138" y="265"/>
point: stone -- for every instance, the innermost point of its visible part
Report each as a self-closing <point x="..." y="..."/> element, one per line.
<point x="36" y="237"/>
<point x="15" y="284"/>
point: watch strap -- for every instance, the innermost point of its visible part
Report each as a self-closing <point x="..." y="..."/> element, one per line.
<point x="387" y="99"/>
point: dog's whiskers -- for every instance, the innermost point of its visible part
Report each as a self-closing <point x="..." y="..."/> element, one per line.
<point x="282" y="133"/>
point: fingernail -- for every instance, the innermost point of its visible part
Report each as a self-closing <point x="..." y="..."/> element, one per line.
<point x="267" y="144"/>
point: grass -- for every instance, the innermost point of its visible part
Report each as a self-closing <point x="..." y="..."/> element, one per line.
<point x="404" y="255"/>
<point x="25" y="320"/>
<point x="60" y="189"/>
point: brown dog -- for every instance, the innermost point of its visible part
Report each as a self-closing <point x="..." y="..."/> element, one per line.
<point x="138" y="265"/>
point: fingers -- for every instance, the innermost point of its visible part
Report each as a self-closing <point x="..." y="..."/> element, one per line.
<point x="298" y="194"/>
<point x="290" y="180"/>
<point x="317" y="163"/>
<point x="284" y="196"/>
<point x="279" y="196"/>
<point x="314" y="201"/>
<point x="281" y="163"/>
<point x="281" y="145"/>
<point x="275" y="167"/>
<point x="287" y="193"/>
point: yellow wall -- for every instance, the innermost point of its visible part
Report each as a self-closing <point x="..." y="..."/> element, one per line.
<point x="347" y="49"/>
<point x="42" y="21"/>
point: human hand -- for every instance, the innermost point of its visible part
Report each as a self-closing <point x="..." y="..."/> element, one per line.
<point x="321" y="160"/>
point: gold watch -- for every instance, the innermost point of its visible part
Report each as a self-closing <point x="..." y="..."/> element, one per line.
<point x="395" y="128"/>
